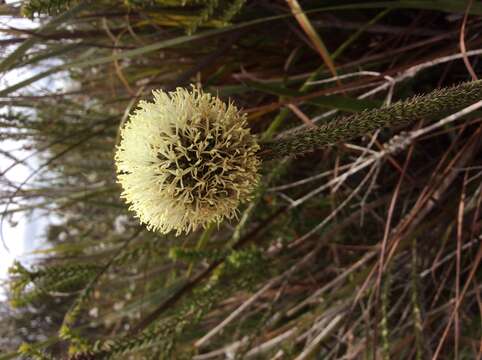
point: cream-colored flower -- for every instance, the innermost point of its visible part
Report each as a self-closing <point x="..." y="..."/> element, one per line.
<point x="186" y="160"/>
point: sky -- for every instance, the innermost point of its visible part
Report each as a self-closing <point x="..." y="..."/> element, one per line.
<point x="21" y="233"/>
<point x="13" y="236"/>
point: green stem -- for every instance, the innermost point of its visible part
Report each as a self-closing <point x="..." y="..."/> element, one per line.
<point x="434" y="105"/>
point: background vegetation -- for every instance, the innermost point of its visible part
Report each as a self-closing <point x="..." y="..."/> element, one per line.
<point x="364" y="250"/>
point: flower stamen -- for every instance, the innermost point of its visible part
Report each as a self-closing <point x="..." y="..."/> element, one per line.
<point x="197" y="164"/>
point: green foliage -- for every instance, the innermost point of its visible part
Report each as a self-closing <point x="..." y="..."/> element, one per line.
<point x="33" y="353"/>
<point x="50" y="7"/>
<point x="207" y="12"/>
<point x="194" y="255"/>
<point x="242" y="270"/>
<point x="29" y="286"/>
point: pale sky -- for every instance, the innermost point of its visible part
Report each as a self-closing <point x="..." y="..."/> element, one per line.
<point x="14" y="236"/>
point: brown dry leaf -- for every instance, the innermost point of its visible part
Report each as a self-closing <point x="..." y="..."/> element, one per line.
<point x="308" y="28"/>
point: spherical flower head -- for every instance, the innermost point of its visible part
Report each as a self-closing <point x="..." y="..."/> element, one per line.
<point x="186" y="160"/>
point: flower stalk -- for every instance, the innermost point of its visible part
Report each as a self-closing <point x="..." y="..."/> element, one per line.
<point x="436" y="104"/>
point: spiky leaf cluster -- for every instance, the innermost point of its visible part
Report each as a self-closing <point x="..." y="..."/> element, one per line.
<point x="50" y="7"/>
<point x="32" y="352"/>
<point x="28" y="286"/>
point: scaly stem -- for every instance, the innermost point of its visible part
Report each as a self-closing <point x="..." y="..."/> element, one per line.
<point x="436" y="104"/>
